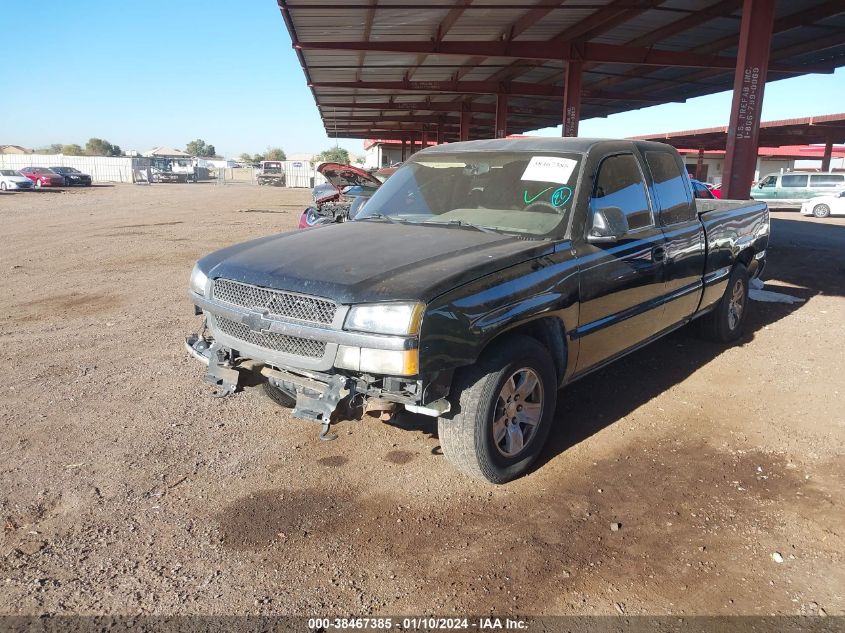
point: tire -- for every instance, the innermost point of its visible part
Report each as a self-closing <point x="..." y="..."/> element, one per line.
<point x="723" y="324"/>
<point x="2" y="186"/>
<point x="479" y="391"/>
<point x="278" y="396"/>
<point x="821" y="211"/>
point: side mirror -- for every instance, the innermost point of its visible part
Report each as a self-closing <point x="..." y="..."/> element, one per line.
<point x="760" y="186"/>
<point x="609" y="225"/>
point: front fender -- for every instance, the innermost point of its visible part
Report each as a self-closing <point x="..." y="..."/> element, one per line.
<point x="461" y="323"/>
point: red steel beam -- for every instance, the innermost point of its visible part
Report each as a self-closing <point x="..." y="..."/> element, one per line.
<point x="755" y="39"/>
<point x="442" y="29"/>
<point x="446" y="108"/>
<point x="368" y="28"/>
<point x="572" y="99"/>
<point x="803" y="17"/>
<point x="483" y="88"/>
<point x="585" y="51"/>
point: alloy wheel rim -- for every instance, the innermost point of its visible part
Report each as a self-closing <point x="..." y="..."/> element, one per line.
<point x="519" y="409"/>
<point x="736" y="304"/>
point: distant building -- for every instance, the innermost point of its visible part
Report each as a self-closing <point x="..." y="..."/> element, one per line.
<point x="14" y="149"/>
<point x="770" y="160"/>
<point x="387" y="152"/>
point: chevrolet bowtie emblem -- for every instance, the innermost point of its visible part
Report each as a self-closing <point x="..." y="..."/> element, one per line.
<point x="256" y="322"/>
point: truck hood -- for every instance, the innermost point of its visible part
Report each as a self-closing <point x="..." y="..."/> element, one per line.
<point x="371" y="261"/>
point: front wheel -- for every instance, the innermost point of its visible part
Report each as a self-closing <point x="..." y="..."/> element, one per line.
<point x="724" y="323"/>
<point x="505" y="405"/>
<point x="2" y="186"/>
<point x="821" y="210"/>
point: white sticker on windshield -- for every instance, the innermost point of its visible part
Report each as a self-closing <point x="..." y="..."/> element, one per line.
<point x="549" y="169"/>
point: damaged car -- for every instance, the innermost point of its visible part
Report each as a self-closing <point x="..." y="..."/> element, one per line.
<point x="341" y="197"/>
<point x="505" y="270"/>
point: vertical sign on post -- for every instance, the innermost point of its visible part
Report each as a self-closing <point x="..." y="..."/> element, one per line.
<point x="572" y="98"/>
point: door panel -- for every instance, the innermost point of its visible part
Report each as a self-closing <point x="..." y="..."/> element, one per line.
<point x="683" y="231"/>
<point x="621" y="283"/>
<point x="684" y="270"/>
<point x="621" y="290"/>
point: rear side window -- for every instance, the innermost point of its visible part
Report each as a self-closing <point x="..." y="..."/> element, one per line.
<point x="620" y="184"/>
<point x="827" y="180"/>
<point x="793" y="180"/>
<point x="670" y="188"/>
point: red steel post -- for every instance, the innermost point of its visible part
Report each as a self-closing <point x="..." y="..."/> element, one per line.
<point x="828" y="152"/>
<point x="465" y="120"/>
<point x="572" y="98"/>
<point x="501" y="130"/>
<point x="752" y="63"/>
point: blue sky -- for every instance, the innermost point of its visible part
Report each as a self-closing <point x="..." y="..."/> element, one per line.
<point x="164" y="72"/>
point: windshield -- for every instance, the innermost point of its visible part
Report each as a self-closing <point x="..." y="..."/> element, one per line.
<point x="521" y="192"/>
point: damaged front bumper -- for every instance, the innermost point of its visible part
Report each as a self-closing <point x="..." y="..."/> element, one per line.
<point x="321" y="396"/>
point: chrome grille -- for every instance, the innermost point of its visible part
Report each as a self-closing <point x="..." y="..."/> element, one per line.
<point x="277" y="302"/>
<point x="272" y="341"/>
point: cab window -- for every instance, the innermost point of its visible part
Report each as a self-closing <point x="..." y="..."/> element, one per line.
<point x="670" y="188"/>
<point x="769" y="181"/>
<point x="620" y="184"/>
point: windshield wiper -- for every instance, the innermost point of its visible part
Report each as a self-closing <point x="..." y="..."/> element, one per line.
<point x="462" y="224"/>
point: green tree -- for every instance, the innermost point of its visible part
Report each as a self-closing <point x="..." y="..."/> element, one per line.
<point x="101" y="147"/>
<point x="245" y="158"/>
<point x="275" y="153"/>
<point x="55" y="148"/>
<point x="199" y="147"/>
<point x="72" y="150"/>
<point x="333" y="155"/>
<point x="257" y="158"/>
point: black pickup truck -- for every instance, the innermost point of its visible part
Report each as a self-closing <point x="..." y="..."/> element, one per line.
<point x="477" y="281"/>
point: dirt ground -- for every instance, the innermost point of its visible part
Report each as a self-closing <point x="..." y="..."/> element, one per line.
<point x="126" y="489"/>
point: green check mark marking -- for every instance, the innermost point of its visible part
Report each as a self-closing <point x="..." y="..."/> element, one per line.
<point x="529" y="201"/>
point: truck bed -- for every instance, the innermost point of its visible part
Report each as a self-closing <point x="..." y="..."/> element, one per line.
<point x="731" y="226"/>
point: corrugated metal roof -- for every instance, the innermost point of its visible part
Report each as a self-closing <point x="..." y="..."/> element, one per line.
<point x="807" y="34"/>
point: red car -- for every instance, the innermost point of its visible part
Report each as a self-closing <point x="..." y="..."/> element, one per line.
<point x="340" y="198"/>
<point x="43" y="177"/>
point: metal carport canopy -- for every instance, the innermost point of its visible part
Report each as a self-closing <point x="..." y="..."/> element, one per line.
<point x="821" y="130"/>
<point x="401" y="69"/>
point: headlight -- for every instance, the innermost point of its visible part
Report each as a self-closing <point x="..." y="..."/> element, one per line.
<point x="386" y="318"/>
<point x="378" y="361"/>
<point x="198" y="280"/>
